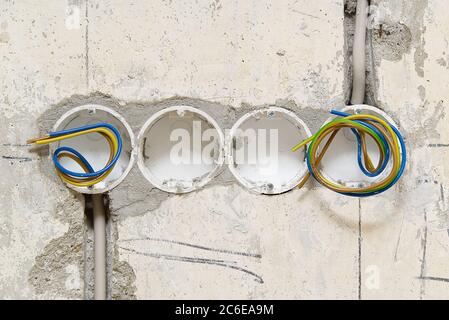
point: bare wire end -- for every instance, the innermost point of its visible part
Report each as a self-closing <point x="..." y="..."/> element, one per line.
<point x="33" y="140"/>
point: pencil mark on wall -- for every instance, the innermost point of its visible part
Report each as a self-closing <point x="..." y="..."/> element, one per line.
<point x="20" y="159"/>
<point x="15" y="145"/>
<point x="423" y="260"/>
<point x="217" y="262"/>
<point x="434" y="279"/>
<point x="398" y="241"/>
<point x="181" y="243"/>
<point x="360" y="251"/>
<point x="438" y="145"/>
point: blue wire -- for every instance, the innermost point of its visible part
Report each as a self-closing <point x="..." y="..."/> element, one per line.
<point x="91" y="172"/>
<point x="401" y="168"/>
<point x="79" y="155"/>
<point x="359" y="146"/>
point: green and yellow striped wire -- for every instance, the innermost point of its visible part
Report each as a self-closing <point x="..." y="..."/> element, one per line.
<point x="389" y="142"/>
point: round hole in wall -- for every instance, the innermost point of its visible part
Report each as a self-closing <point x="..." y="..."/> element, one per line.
<point x="180" y="149"/>
<point x="94" y="147"/>
<point x="340" y="164"/>
<point x="259" y="150"/>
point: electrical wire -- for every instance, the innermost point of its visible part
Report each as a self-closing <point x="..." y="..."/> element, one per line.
<point x="89" y="177"/>
<point x="387" y="137"/>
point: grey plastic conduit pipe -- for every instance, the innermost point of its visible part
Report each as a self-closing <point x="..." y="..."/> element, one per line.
<point x="358" y="53"/>
<point x="99" y="247"/>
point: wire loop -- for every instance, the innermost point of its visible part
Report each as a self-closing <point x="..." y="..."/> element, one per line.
<point x="89" y="177"/>
<point x="388" y="139"/>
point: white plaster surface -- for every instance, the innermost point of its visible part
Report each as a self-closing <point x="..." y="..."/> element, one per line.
<point x="301" y="244"/>
<point x="226" y="51"/>
<point x="405" y="232"/>
<point x="252" y="52"/>
<point x="42" y="62"/>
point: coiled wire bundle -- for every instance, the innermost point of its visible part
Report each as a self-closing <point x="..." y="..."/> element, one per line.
<point x="89" y="177"/>
<point x="389" y="142"/>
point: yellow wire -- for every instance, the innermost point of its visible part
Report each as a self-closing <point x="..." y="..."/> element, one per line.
<point x="86" y="182"/>
<point x="315" y="160"/>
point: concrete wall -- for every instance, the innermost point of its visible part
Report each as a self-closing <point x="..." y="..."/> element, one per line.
<point x="226" y="57"/>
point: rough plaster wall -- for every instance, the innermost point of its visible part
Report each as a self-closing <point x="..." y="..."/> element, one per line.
<point x="229" y="52"/>
<point x="249" y="61"/>
<point x="408" y="239"/>
<point x="41" y="222"/>
<point x="222" y="241"/>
